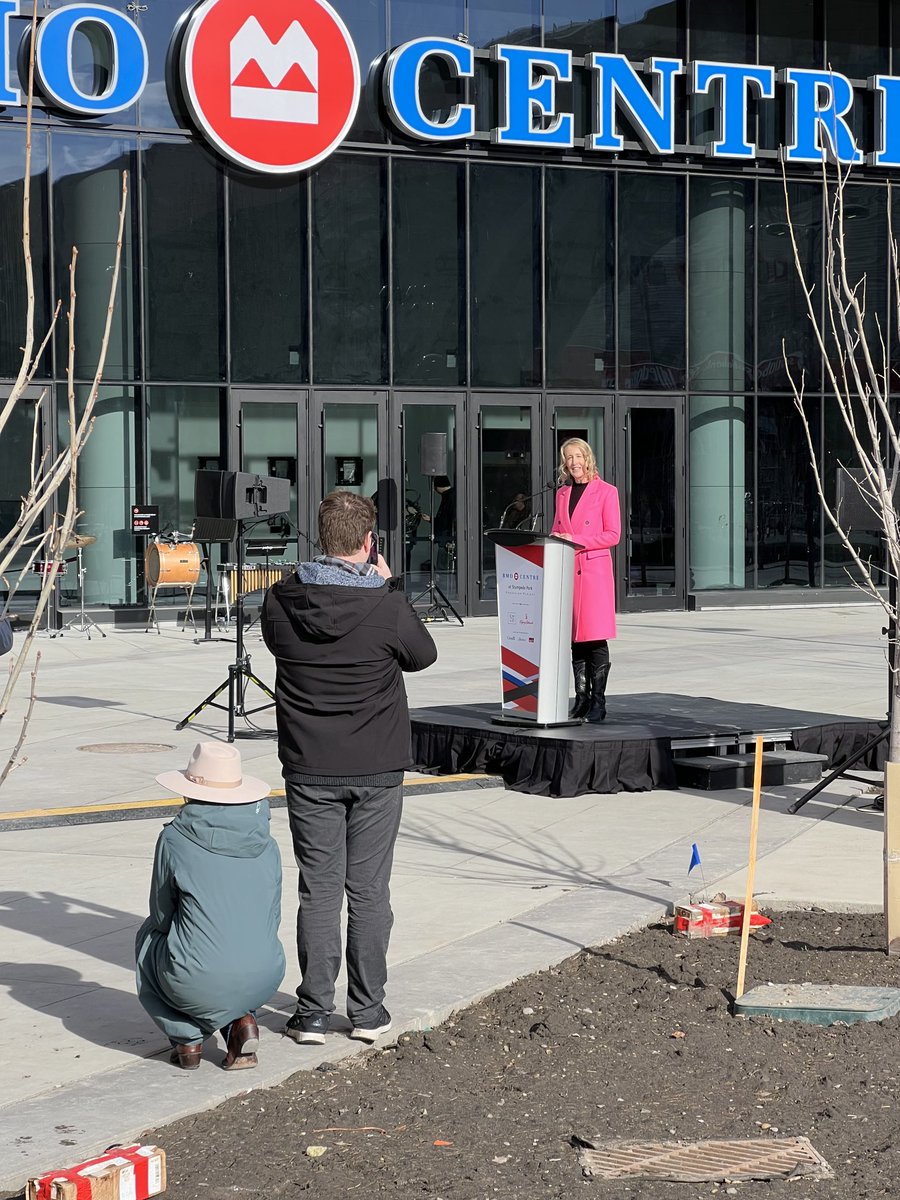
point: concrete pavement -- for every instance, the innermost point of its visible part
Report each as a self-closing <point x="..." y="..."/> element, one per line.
<point x="488" y="884"/>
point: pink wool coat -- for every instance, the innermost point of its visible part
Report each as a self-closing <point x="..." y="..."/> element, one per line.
<point x="597" y="525"/>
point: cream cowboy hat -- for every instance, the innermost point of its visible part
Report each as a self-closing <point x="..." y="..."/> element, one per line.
<point x="214" y="775"/>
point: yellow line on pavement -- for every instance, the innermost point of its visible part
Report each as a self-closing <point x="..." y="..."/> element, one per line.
<point x="172" y="801"/>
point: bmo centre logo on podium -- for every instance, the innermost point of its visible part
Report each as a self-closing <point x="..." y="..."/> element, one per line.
<point x="273" y="84"/>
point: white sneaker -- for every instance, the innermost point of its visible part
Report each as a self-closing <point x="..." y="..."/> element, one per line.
<point x="373" y="1033"/>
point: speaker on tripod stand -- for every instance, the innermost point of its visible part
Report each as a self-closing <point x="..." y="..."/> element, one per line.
<point x="241" y="497"/>
<point x="433" y="464"/>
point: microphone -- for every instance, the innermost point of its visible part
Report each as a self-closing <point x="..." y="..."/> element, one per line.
<point x="523" y="500"/>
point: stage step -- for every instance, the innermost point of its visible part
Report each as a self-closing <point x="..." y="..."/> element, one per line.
<point x="724" y="772"/>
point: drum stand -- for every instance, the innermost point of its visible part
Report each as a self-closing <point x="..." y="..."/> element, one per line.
<point x="82" y="623"/>
<point x="240" y="673"/>
<point x="153" y="620"/>
<point x="51" y="607"/>
<point x="47" y="629"/>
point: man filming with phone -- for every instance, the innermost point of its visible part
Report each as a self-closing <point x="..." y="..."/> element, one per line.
<point x="343" y="632"/>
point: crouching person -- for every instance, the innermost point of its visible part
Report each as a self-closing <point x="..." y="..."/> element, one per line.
<point x="208" y="955"/>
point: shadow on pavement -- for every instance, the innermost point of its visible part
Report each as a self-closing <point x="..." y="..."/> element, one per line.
<point x="92" y="1011"/>
<point x="74" y="923"/>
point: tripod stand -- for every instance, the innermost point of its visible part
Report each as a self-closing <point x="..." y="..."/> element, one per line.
<point x="440" y="605"/>
<point x="82" y="623"/>
<point x="240" y="673"/>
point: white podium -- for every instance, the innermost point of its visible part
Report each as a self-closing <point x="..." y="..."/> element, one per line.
<point x="535" y="581"/>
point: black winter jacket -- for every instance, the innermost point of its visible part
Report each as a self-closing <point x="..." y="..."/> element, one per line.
<point x="340" y="653"/>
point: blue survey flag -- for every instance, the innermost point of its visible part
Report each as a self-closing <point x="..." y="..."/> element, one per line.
<point x="695" y="857"/>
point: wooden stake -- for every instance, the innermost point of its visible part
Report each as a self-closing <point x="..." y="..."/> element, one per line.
<point x="751" y="869"/>
<point x="892" y="856"/>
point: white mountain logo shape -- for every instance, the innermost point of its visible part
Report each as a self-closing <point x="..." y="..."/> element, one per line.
<point x="275" y="60"/>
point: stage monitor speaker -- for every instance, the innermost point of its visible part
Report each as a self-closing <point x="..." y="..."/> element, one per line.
<point x="214" y="529"/>
<point x="240" y="495"/>
<point x="433" y="454"/>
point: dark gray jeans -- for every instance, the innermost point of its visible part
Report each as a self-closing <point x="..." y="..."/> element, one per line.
<point x="343" y="841"/>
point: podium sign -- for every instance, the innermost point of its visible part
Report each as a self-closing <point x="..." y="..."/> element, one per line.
<point x="535" y="581"/>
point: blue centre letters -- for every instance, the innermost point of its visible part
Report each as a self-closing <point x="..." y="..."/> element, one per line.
<point x="528" y="91"/>
<point x="617" y="85"/>
<point x="818" y="103"/>
<point x="402" y="74"/>
<point x="735" y="82"/>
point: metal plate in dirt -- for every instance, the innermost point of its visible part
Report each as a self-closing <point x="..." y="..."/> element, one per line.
<point x="700" y="1162"/>
<point x="819" y="1003"/>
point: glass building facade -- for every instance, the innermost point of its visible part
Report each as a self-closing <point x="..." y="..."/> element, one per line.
<point x="315" y="326"/>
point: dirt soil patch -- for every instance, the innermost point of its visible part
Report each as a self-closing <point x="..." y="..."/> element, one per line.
<point x="629" y="1040"/>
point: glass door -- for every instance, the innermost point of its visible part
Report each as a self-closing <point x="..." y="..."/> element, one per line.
<point x="650" y="474"/>
<point x="270" y="434"/>
<point x="351" y="430"/>
<point x="586" y="417"/>
<point x="503" y="488"/>
<point x="430" y="534"/>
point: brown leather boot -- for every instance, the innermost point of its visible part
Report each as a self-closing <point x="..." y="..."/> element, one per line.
<point x="186" y="1055"/>
<point x="241" y="1043"/>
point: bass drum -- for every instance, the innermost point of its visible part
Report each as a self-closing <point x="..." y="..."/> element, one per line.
<point x="172" y="566"/>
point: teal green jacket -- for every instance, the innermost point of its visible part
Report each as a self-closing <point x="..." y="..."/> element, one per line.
<point x="210" y="947"/>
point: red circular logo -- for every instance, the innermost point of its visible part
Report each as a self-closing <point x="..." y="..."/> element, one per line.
<point x="273" y="84"/>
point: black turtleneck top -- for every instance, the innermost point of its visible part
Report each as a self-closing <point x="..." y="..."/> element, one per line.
<point x="575" y="495"/>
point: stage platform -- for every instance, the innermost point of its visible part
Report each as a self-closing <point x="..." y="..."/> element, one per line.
<point x="634" y="750"/>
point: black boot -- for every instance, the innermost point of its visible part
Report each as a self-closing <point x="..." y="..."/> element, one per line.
<point x="599" y="673"/>
<point x="582" y="689"/>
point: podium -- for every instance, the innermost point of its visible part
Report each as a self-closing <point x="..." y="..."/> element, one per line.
<point x="535" y="581"/>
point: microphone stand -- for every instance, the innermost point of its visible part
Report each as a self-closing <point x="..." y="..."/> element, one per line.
<point x="548" y="487"/>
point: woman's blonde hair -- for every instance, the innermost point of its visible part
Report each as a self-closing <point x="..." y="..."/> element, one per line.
<point x="590" y="463"/>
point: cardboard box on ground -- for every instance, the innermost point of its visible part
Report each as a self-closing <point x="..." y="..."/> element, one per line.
<point x="120" y="1173"/>
<point x="714" y="918"/>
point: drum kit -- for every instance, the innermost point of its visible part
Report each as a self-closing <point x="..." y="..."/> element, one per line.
<point x="172" y="560"/>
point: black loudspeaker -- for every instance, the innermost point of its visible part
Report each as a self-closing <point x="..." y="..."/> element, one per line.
<point x="433" y="454"/>
<point x="385" y="500"/>
<point x="209" y="493"/>
<point x="240" y="495"/>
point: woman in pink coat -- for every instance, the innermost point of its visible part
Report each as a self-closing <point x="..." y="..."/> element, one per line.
<point x="587" y="512"/>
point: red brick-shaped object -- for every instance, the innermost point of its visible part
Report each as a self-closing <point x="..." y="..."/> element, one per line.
<point x="121" y="1173"/>
<point x="714" y="919"/>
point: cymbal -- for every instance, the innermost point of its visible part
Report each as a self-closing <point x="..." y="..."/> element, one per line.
<point x="79" y="541"/>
